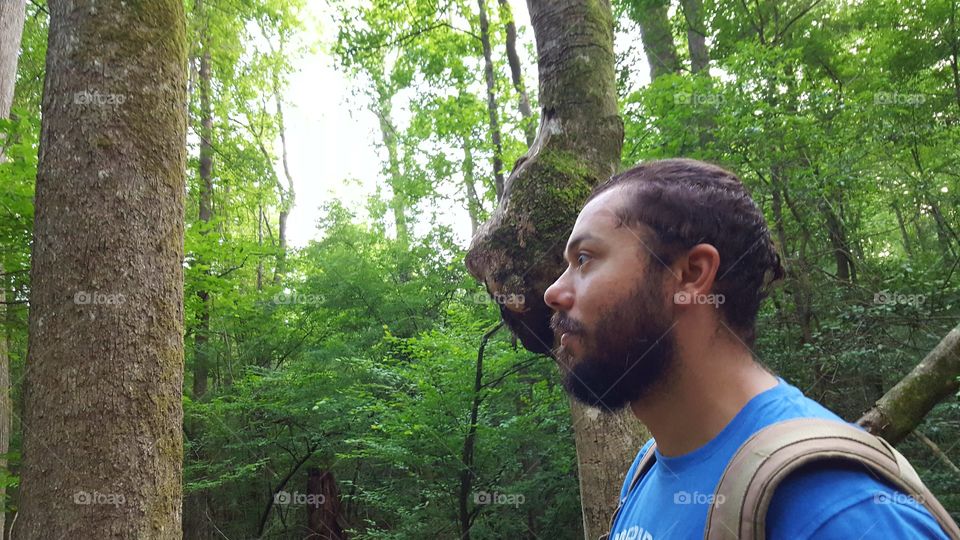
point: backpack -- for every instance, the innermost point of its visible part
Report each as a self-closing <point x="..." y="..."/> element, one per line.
<point x="746" y="487"/>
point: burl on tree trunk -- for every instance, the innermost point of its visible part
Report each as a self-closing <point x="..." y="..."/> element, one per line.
<point x="518" y="253"/>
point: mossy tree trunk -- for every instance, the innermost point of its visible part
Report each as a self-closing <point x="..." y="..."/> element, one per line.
<point x="102" y="447"/>
<point x="517" y="253"/>
<point x="903" y="407"/>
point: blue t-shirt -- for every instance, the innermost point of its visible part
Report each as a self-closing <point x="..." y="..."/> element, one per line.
<point x="843" y="502"/>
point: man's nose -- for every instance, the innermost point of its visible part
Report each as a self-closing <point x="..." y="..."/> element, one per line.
<point x="559" y="296"/>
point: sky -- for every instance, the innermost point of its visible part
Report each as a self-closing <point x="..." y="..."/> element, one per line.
<point x="332" y="137"/>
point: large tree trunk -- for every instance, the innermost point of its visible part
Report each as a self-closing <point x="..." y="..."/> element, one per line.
<point x="518" y="252"/>
<point x="492" y="111"/>
<point x="12" y="13"/>
<point x="902" y="408"/>
<point x="103" y="415"/>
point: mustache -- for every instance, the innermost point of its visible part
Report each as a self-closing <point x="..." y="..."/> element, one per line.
<point x="561" y="324"/>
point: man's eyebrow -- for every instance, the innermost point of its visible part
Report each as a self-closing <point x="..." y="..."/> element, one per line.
<point x="575" y="242"/>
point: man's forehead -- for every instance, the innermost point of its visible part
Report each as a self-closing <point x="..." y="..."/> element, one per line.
<point x="601" y="213"/>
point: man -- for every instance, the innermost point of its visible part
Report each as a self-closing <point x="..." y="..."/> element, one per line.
<point x="667" y="266"/>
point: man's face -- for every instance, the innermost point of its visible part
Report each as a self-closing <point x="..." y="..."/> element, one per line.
<point x="612" y="311"/>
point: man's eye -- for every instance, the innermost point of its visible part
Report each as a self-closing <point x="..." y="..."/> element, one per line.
<point x="582" y="259"/>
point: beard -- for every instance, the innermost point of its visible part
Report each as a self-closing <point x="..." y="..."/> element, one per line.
<point x="626" y="356"/>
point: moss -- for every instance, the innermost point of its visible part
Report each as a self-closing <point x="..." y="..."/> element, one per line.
<point x="544" y="204"/>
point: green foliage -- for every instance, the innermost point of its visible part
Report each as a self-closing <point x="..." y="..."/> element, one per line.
<point x="358" y="354"/>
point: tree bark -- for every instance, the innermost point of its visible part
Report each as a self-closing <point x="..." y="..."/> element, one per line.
<point x="287" y="194"/>
<point x="383" y="110"/>
<point x="657" y="37"/>
<point x="6" y="404"/>
<point x="518" y="251"/>
<point x="846" y="268"/>
<point x="201" y="360"/>
<point x="903" y="407"/>
<point x="469" y="177"/>
<point x="506" y="15"/>
<point x="102" y="449"/>
<point x="324" y="510"/>
<point x="12" y="13"/>
<point x="901" y="224"/>
<point x="696" y="35"/>
<point x="492" y="110"/>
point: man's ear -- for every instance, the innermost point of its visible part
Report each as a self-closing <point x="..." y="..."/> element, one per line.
<point x="696" y="272"/>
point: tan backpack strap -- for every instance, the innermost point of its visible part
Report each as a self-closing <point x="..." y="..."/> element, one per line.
<point x="748" y="483"/>
<point x="647" y="461"/>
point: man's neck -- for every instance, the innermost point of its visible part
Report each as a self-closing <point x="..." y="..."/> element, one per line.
<point x="701" y="397"/>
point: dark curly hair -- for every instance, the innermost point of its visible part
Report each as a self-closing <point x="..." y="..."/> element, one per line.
<point x="687" y="202"/>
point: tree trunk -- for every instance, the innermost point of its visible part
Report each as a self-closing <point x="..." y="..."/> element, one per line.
<point x="657" y="37"/>
<point x="469" y="177"/>
<point x="506" y="15"/>
<point x="519" y="250"/>
<point x="6" y="404"/>
<point x="323" y="506"/>
<point x="383" y="109"/>
<point x="696" y="35"/>
<point x="901" y="224"/>
<point x="287" y="195"/>
<point x="103" y="445"/>
<point x="492" y="110"/>
<point x="846" y="269"/>
<point x="12" y="13"/>
<point x="903" y="407"/>
<point x="260" y="218"/>
<point x="201" y="360"/>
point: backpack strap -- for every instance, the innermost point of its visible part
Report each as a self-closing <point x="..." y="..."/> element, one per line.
<point x="646" y="462"/>
<point x="747" y="486"/>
